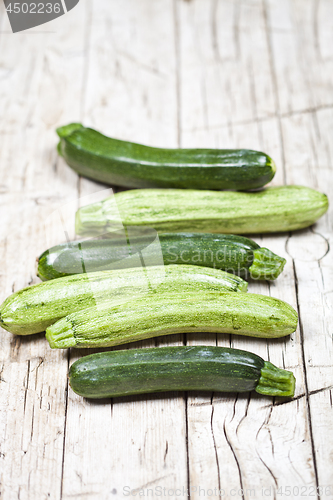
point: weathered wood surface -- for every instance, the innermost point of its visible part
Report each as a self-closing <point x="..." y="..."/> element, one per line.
<point x="251" y="73"/>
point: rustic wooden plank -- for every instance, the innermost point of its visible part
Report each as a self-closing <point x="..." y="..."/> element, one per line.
<point x="41" y="77"/>
<point x="130" y="89"/>
<point x="302" y="57"/>
<point x="130" y="93"/>
<point x="321" y="416"/>
<point x="311" y="165"/>
<point x="245" y="74"/>
<point x="259" y="418"/>
<point x="312" y="256"/>
<point x="245" y="436"/>
<point x="224" y="65"/>
<point x="308" y="160"/>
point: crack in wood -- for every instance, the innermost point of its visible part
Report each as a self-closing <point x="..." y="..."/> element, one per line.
<point x="262" y="119"/>
<point x="26" y="386"/>
<point x="1" y="372"/>
<point x="149" y="483"/>
<point x="327" y="242"/>
<point x="146" y="67"/>
<point x="271" y="440"/>
<point x="188" y="479"/>
<point x="236" y="459"/>
<point x="245" y="413"/>
<point x="215" y="451"/>
<point x="32" y="422"/>
<point x="270" y="473"/>
<point x="166" y="451"/>
<point x="234" y="408"/>
<point x="297" y="398"/>
<point x="65" y="426"/>
<point x="306" y="385"/>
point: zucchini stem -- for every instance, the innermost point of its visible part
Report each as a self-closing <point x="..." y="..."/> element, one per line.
<point x="266" y="265"/>
<point x="91" y="220"/>
<point x="61" y="336"/>
<point x="68" y="129"/>
<point x="275" y="381"/>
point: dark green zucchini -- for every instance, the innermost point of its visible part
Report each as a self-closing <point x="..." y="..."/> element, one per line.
<point x="271" y="210"/>
<point x="123" y="163"/>
<point x="234" y="254"/>
<point x="163" y="313"/>
<point x="177" y="368"/>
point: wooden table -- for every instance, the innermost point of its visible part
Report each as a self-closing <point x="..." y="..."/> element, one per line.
<point x="204" y="73"/>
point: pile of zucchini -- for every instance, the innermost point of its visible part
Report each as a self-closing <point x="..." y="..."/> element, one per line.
<point x="177" y="263"/>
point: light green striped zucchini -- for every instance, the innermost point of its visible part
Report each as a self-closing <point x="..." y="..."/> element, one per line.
<point x="33" y="309"/>
<point x="161" y="314"/>
<point x="172" y="210"/>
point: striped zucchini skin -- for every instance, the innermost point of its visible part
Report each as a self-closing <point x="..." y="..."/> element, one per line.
<point x="177" y="368"/>
<point x="271" y="210"/>
<point x="124" y="163"/>
<point x="231" y="253"/>
<point x="33" y="309"/>
<point x="162" y="314"/>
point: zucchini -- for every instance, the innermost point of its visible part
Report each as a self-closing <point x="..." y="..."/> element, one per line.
<point x="234" y="254"/>
<point x="33" y="309"/>
<point x="273" y="209"/>
<point x="177" y="368"/>
<point x="124" y="163"/>
<point x="162" y="314"/>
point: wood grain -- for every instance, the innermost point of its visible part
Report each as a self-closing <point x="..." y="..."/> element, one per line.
<point x="206" y="73"/>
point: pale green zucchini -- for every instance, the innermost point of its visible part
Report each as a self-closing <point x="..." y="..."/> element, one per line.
<point x="33" y="309"/>
<point x="270" y="210"/>
<point x="161" y="314"/>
